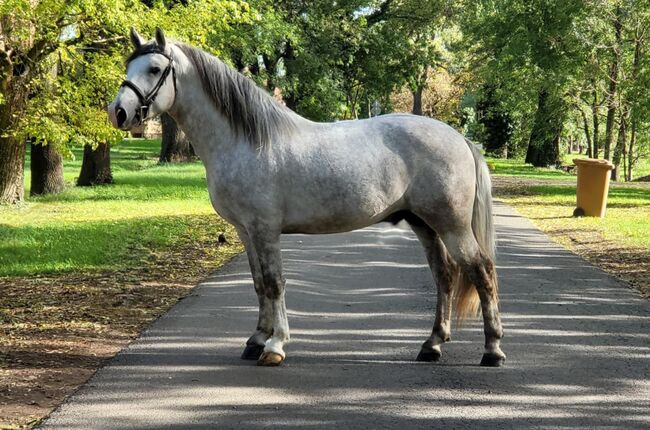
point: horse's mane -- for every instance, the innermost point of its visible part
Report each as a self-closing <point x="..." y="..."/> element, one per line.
<point x="247" y="108"/>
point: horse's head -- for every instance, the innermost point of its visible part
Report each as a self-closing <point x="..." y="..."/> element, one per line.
<point x="150" y="85"/>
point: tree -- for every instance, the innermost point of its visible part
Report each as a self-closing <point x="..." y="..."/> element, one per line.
<point x="175" y="145"/>
<point x="33" y="33"/>
<point x="496" y="122"/>
<point x="46" y="164"/>
<point x="96" y="166"/>
<point x="544" y="144"/>
<point x="617" y="23"/>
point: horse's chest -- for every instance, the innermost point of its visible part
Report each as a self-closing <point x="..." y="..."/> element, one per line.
<point x="235" y="191"/>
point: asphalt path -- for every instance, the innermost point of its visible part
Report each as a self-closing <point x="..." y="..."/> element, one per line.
<point x="360" y="304"/>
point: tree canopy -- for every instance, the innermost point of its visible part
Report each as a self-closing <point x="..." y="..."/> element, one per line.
<point x="521" y="77"/>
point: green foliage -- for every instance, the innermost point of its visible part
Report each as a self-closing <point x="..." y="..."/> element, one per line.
<point x="564" y="51"/>
<point x="332" y="60"/>
<point x="497" y="125"/>
<point x="83" y="46"/>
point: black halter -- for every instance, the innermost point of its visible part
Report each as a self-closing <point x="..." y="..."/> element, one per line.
<point x="150" y="97"/>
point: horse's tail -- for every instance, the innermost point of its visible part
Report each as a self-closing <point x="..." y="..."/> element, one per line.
<point x="467" y="302"/>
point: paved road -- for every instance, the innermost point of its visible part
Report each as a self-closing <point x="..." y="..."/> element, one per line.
<point x="578" y="345"/>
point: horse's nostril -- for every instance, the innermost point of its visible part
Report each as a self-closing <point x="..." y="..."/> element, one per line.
<point x="121" y="117"/>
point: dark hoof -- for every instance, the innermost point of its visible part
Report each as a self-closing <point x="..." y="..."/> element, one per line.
<point x="270" y="359"/>
<point x="492" y="360"/>
<point x="252" y="352"/>
<point x="427" y="355"/>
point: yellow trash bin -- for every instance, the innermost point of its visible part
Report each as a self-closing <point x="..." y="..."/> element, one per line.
<point x="593" y="185"/>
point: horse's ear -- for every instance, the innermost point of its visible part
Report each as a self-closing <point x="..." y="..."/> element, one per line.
<point x="136" y="39"/>
<point x="160" y="38"/>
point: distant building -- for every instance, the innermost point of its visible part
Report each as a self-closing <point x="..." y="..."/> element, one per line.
<point x="151" y="129"/>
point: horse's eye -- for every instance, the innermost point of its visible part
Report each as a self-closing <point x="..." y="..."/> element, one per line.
<point x="154" y="70"/>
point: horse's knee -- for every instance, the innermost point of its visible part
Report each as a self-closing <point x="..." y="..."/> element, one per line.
<point x="273" y="287"/>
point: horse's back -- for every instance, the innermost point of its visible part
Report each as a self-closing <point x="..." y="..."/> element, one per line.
<point x="441" y="165"/>
<point x="339" y="176"/>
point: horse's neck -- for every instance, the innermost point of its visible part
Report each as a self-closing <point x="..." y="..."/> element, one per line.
<point x="195" y="113"/>
<point x="210" y="132"/>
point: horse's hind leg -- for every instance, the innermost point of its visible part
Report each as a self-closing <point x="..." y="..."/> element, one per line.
<point x="264" y="330"/>
<point x="444" y="272"/>
<point x="478" y="269"/>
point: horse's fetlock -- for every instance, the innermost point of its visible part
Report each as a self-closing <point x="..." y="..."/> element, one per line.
<point x="443" y="334"/>
<point x="493" y="333"/>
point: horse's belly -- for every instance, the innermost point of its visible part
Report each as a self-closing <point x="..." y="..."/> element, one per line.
<point x="339" y="212"/>
<point x="332" y="224"/>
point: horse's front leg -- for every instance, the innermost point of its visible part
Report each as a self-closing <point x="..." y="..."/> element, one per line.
<point x="267" y="249"/>
<point x="255" y="344"/>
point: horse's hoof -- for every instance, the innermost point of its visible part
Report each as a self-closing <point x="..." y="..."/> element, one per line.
<point x="492" y="360"/>
<point x="252" y="352"/>
<point x="428" y="355"/>
<point x="270" y="359"/>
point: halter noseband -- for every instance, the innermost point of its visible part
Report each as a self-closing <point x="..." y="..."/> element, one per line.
<point x="150" y="97"/>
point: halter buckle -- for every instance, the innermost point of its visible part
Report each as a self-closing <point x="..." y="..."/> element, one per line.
<point x="144" y="110"/>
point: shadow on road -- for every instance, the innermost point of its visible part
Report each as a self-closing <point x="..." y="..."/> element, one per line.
<point x="360" y="305"/>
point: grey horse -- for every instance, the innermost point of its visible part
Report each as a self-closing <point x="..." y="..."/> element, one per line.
<point x="271" y="171"/>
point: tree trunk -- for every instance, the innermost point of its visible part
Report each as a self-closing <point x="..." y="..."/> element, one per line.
<point x="630" y="151"/>
<point x="46" y="166"/>
<point x="417" y="100"/>
<point x="417" y="93"/>
<point x="587" y="133"/>
<point x="613" y="85"/>
<point x="621" y="144"/>
<point x="175" y="145"/>
<point x="96" y="166"/>
<point x="638" y="45"/>
<point x="543" y="146"/>
<point x="12" y="149"/>
<point x="596" y="121"/>
<point x="12" y="163"/>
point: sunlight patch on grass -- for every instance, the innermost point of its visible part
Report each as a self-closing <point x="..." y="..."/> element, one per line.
<point x="501" y="167"/>
<point x="551" y="207"/>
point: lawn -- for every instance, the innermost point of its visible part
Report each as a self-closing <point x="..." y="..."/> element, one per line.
<point x="501" y="167"/>
<point x="150" y="207"/>
<point x="619" y="243"/>
<point x="517" y="168"/>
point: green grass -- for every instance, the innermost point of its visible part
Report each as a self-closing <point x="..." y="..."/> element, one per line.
<point x="501" y="167"/>
<point x="550" y="205"/>
<point x="150" y="207"/>
<point x="627" y="220"/>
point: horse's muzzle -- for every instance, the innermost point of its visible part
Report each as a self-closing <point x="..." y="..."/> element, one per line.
<point x="118" y="116"/>
<point x="121" y="117"/>
<point x="112" y="115"/>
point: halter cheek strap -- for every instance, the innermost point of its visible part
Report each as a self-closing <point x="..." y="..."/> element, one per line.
<point x="146" y="100"/>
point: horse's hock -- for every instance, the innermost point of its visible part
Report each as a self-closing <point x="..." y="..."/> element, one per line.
<point x="593" y="186"/>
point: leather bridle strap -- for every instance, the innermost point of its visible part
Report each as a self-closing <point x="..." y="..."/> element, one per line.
<point x="150" y="97"/>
